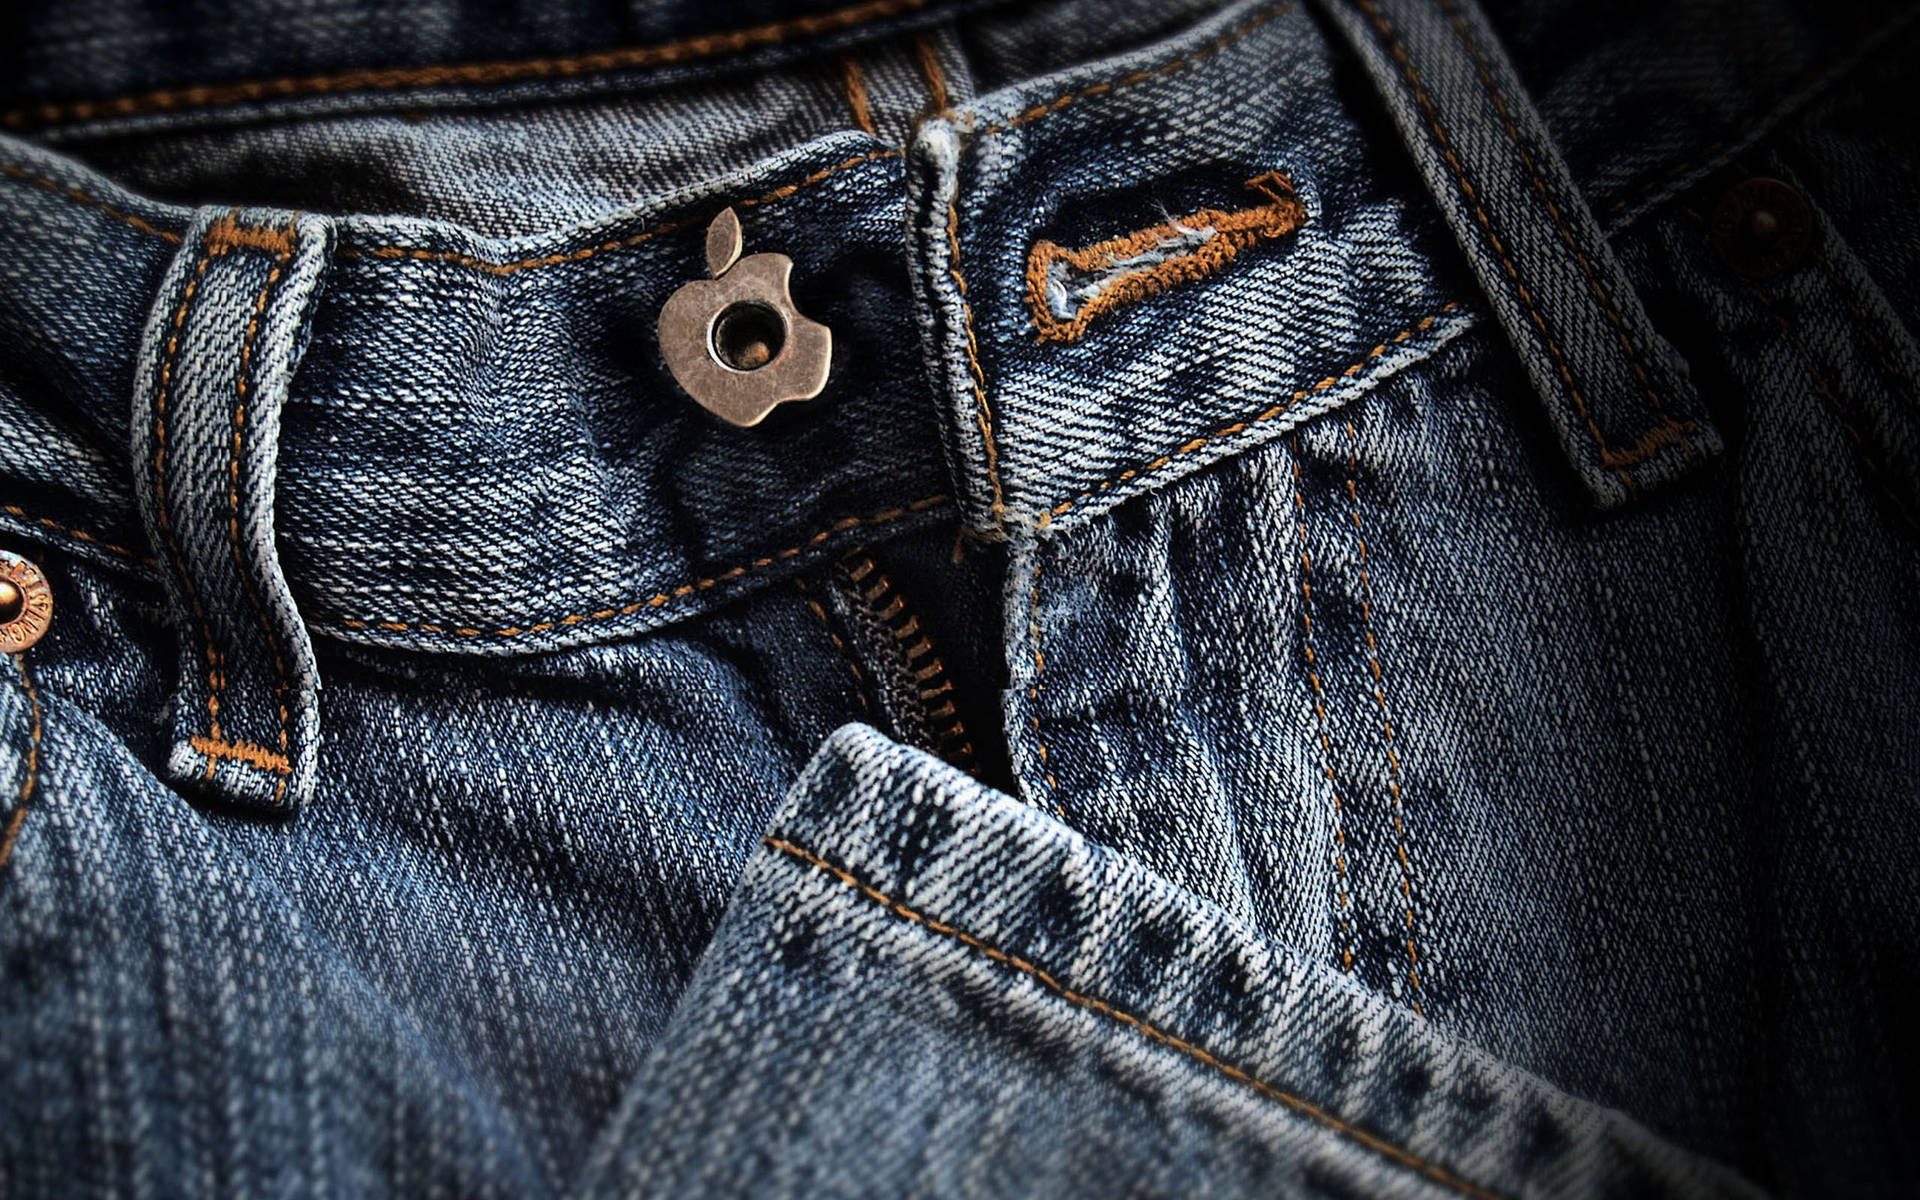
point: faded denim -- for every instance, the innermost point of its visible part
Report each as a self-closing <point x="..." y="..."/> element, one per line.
<point x="1419" y="703"/>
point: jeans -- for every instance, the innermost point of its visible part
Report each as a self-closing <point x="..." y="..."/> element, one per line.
<point x="1346" y="623"/>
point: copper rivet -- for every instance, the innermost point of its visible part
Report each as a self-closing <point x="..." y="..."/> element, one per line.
<point x="736" y="342"/>
<point x="1762" y="227"/>
<point x="26" y="603"/>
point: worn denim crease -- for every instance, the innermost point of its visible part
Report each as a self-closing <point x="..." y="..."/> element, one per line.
<point x="1305" y="1108"/>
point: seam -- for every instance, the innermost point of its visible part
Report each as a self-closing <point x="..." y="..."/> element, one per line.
<point x="1386" y="721"/>
<point x="75" y="194"/>
<point x="1782" y="105"/>
<point x="929" y="60"/>
<point x="1231" y="232"/>
<point x="1151" y="467"/>
<point x="286" y="244"/>
<point x="24" y="804"/>
<point x="659" y="599"/>
<point x="1391" y="1151"/>
<point x="1033" y="114"/>
<point x="846" y="652"/>
<point x="1340" y="881"/>
<point x="982" y="412"/>
<point x="398" y="78"/>
<point x="1616" y="460"/>
<point x="78" y="534"/>
<point x="932" y="684"/>
<point x="178" y="558"/>
<point x="1874" y="468"/>
<point x="1033" y="692"/>
<point x="854" y="83"/>
<point x="1895" y="379"/>
<point x="586" y="252"/>
<point x="1141" y="76"/>
<point x="246" y="752"/>
<point x="1494" y="92"/>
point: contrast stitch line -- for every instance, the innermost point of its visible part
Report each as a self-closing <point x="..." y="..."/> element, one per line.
<point x="1386" y="720"/>
<point x="398" y="78"/>
<point x="178" y="558"/>
<point x="1608" y="457"/>
<point x="658" y="599"/>
<point x="285" y="686"/>
<point x="1340" y="882"/>
<point x="1392" y="1152"/>
<point x="982" y="412"/>
<point x="77" y="534"/>
<point x="1031" y="115"/>
<point x="24" y="803"/>
<point x="855" y="85"/>
<point x="1820" y="385"/>
<point x="1594" y="284"/>
<point x="1226" y="39"/>
<point x="1232" y="232"/>
<point x="846" y="652"/>
<point x="929" y="59"/>
<point x="586" y="252"/>
<point x="246" y="752"/>
<point x="1147" y="469"/>
<point x="1033" y="693"/>
<point x="75" y="194"/>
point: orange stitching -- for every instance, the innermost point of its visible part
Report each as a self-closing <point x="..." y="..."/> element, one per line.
<point x="247" y="752"/>
<point x="1168" y="459"/>
<point x="1233" y="232"/>
<point x="1386" y="717"/>
<point x="1607" y="456"/>
<point x="74" y="193"/>
<point x="80" y="534"/>
<point x="929" y="60"/>
<point x="1320" y="719"/>
<point x="228" y="234"/>
<point x="983" y="413"/>
<point x="846" y="652"/>
<point x="389" y="79"/>
<point x="1820" y="385"/>
<point x="1132" y="77"/>
<point x="1305" y="1108"/>
<point x="1033" y="114"/>
<point x="285" y="241"/>
<point x="856" y="88"/>
<point x="659" y="599"/>
<point x="586" y="252"/>
<point x="1487" y="82"/>
<point x="1033" y="693"/>
<point x="25" y="803"/>
<point x="160" y="491"/>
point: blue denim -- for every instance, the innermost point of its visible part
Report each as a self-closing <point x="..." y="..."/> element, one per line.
<point x="1391" y="672"/>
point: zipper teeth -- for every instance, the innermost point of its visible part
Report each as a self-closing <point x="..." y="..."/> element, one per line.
<point x="931" y="681"/>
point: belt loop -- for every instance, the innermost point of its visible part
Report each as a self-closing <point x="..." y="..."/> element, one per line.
<point x="215" y="361"/>
<point x="1618" y="396"/>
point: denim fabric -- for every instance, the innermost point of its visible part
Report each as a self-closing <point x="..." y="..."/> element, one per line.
<point x="459" y="764"/>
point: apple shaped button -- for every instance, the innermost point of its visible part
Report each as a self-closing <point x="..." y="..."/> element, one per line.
<point x="735" y="342"/>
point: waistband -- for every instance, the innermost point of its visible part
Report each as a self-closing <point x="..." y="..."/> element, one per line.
<point x="474" y="447"/>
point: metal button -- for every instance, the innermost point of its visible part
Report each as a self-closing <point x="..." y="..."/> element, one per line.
<point x="736" y="342"/>
<point x="1762" y="227"/>
<point x="26" y="603"/>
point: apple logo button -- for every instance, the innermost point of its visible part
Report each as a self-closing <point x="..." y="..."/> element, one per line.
<point x="736" y="342"/>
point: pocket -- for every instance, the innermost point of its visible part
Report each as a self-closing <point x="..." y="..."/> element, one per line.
<point x="923" y="986"/>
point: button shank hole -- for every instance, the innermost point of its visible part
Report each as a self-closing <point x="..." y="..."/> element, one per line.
<point x="748" y="335"/>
